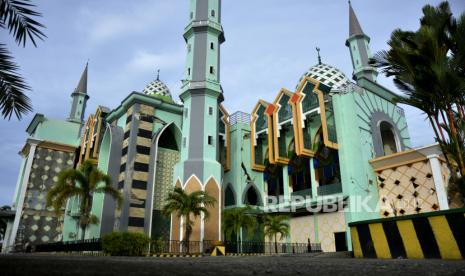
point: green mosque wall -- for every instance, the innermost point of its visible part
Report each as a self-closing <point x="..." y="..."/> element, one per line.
<point x="99" y="198"/>
<point x="58" y="131"/>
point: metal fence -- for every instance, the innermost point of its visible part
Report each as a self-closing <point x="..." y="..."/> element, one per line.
<point x="271" y="247"/>
<point x="180" y="247"/>
<point x="91" y="245"/>
<point x="191" y="247"/>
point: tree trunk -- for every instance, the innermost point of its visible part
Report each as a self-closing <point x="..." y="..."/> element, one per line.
<point x="276" y="243"/>
<point x="453" y="130"/>
<point x="188" y="235"/>
<point x="238" y="242"/>
<point x="440" y="141"/>
<point x="443" y="138"/>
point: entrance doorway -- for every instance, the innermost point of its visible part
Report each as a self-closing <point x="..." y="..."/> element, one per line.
<point x="340" y="240"/>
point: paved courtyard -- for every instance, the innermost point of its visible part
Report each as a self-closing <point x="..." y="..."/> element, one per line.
<point x="259" y="265"/>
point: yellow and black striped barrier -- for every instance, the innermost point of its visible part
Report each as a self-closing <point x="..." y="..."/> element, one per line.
<point x="246" y="254"/>
<point x="438" y="234"/>
<point x="218" y="251"/>
<point x="167" y="255"/>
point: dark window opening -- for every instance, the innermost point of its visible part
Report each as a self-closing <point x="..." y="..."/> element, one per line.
<point x="299" y="174"/>
<point x="229" y="198"/>
<point x="210" y="110"/>
<point x="211" y="69"/>
<point x="212" y="46"/>
<point x="273" y="176"/>
<point x="213" y="13"/>
<point x="326" y="166"/>
<point x="168" y="140"/>
<point x="210" y="140"/>
<point x="388" y="138"/>
<point x="251" y="197"/>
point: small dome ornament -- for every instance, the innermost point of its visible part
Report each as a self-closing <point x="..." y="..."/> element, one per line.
<point x="326" y="74"/>
<point x="157" y="87"/>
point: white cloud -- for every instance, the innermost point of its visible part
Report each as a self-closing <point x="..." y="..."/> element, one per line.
<point x="143" y="61"/>
<point x="102" y="25"/>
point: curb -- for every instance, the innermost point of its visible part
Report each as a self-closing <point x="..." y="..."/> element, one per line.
<point x="176" y="256"/>
<point x="246" y="254"/>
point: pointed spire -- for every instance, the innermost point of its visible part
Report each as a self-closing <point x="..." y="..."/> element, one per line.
<point x="354" y="25"/>
<point x="82" y="85"/>
<point x="319" y="57"/>
<point x="158" y="74"/>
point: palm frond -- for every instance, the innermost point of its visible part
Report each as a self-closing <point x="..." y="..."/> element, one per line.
<point x="17" y="16"/>
<point x="109" y="190"/>
<point x="12" y="87"/>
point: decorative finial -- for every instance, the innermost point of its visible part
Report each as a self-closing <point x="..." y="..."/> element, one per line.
<point x="158" y="74"/>
<point x="350" y="3"/>
<point x="319" y="57"/>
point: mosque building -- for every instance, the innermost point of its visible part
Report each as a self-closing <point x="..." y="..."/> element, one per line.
<point x="330" y="140"/>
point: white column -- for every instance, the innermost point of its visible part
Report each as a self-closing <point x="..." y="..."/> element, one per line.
<point x="438" y="181"/>
<point x="19" y="207"/>
<point x="6" y="240"/>
<point x="313" y="178"/>
<point x="18" y="182"/>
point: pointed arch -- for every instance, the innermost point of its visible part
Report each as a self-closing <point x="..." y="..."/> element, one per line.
<point x="175" y="221"/>
<point x="193" y="184"/>
<point x="283" y="125"/>
<point x="261" y="128"/>
<point x="165" y="146"/>
<point x="211" y="227"/>
<point x="309" y="102"/>
<point x="251" y="196"/>
<point x="229" y="195"/>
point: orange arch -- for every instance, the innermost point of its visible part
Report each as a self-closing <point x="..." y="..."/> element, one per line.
<point x="212" y="224"/>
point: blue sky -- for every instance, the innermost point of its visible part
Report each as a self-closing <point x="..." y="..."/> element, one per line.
<point x="269" y="45"/>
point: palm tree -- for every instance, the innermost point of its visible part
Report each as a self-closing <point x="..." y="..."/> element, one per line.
<point x="429" y="67"/>
<point x="82" y="184"/>
<point x="274" y="225"/>
<point x="188" y="206"/>
<point x="3" y="222"/>
<point x="17" y="17"/>
<point x="236" y="219"/>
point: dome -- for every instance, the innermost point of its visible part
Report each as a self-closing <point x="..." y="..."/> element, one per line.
<point x="327" y="74"/>
<point x="157" y="87"/>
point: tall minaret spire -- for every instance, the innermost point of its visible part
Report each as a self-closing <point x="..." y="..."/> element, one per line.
<point x="199" y="167"/>
<point x="358" y="43"/>
<point x="319" y="57"/>
<point x="79" y="99"/>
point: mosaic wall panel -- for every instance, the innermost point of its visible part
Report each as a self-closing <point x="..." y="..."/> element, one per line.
<point x="38" y="223"/>
<point x="166" y="160"/>
<point x="407" y="189"/>
<point x="302" y="229"/>
<point x="328" y="224"/>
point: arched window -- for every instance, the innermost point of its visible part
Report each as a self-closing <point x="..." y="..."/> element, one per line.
<point x="168" y="140"/>
<point x="388" y="138"/>
<point x="229" y="198"/>
<point x="252" y="197"/>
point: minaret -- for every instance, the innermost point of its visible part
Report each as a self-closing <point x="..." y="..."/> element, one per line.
<point x="80" y="97"/>
<point x="201" y="94"/>
<point x="359" y="52"/>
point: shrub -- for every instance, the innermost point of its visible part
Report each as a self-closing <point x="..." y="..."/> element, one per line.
<point x="125" y="244"/>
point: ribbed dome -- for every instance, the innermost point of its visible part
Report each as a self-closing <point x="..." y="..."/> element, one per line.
<point x="157" y="87"/>
<point x="326" y="74"/>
